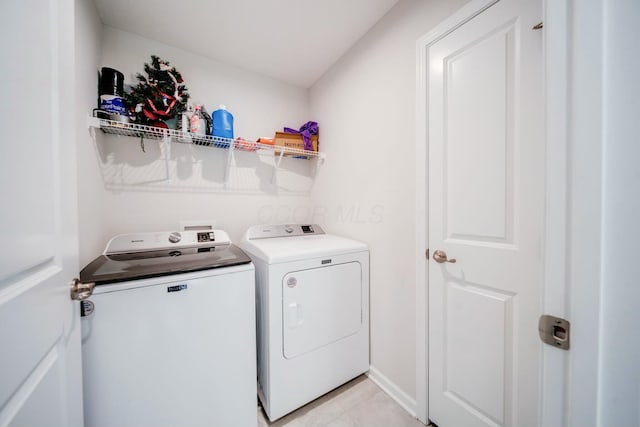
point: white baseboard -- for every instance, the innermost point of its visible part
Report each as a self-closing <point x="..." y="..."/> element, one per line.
<point x="395" y="392"/>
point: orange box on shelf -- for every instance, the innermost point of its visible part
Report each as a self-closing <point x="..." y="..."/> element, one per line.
<point x="265" y="141"/>
<point x="293" y="140"/>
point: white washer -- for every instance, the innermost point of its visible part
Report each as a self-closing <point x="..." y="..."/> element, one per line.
<point x="169" y="332"/>
<point x="312" y="299"/>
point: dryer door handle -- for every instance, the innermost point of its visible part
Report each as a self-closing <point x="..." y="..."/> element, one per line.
<point x="295" y="315"/>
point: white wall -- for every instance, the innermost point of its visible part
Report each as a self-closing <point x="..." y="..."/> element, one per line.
<point x="619" y="397"/>
<point x="365" y="105"/>
<point x="134" y="191"/>
<point x="91" y="208"/>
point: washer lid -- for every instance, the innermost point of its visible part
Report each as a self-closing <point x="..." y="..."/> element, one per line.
<point x="284" y="249"/>
<point x="120" y="267"/>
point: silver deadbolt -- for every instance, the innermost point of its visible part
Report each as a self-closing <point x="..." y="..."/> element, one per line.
<point x="80" y="291"/>
<point x="554" y="331"/>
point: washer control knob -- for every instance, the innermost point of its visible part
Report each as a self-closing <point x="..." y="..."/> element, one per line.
<point x="175" y="237"/>
<point x="288" y="229"/>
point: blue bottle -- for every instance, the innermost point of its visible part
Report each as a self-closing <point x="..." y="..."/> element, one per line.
<point x="222" y="123"/>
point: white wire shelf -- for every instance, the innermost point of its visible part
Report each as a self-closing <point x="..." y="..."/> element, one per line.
<point x="150" y="132"/>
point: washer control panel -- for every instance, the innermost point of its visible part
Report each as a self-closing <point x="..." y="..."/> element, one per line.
<point x="206" y="236"/>
<point x="140" y="242"/>
<point x="282" y="230"/>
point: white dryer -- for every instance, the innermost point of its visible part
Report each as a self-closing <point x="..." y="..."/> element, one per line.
<point x="312" y="306"/>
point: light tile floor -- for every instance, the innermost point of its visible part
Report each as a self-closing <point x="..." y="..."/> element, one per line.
<point x="359" y="403"/>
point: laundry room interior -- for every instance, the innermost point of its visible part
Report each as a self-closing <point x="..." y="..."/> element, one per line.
<point x="364" y="103"/>
<point x="365" y="213"/>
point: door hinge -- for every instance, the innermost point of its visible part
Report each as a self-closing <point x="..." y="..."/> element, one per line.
<point x="554" y="331"/>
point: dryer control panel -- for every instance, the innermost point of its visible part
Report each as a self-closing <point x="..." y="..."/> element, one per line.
<point x="282" y="230"/>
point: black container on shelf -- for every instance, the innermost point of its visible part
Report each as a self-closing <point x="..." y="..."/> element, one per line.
<point x="111" y="90"/>
<point x="111" y="82"/>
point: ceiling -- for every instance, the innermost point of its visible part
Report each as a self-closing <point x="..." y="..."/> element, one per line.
<point x="294" y="41"/>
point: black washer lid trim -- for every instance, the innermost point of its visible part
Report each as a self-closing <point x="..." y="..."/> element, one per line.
<point x="143" y="265"/>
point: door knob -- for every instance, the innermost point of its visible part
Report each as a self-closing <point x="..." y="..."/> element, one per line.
<point x="441" y="256"/>
<point x="81" y="291"/>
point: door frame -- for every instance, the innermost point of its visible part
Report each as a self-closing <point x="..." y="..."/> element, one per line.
<point x="559" y="215"/>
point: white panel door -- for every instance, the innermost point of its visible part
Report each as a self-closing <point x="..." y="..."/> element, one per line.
<point x="40" y="366"/>
<point x="485" y="211"/>
<point x="320" y="306"/>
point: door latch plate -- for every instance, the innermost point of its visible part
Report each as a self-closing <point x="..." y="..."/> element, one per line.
<point x="554" y="331"/>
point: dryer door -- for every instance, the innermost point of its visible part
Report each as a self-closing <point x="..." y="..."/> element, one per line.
<point x="320" y="306"/>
